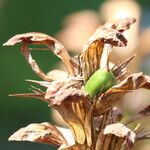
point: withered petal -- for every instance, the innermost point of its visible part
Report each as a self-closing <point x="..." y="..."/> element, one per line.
<point x="114" y="94"/>
<point x="120" y="70"/>
<point x="61" y="95"/>
<point x="121" y="131"/>
<point x="30" y="95"/>
<point x="29" y="38"/>
<point x="72" y="119"/>
<point x="121" y="25"/>
<point x="41" y="39"/>
<point x="40" y="133"/>
<point x="92" y="51"/>
<point x="66" y="132"/>
<point x="60" y="91"/>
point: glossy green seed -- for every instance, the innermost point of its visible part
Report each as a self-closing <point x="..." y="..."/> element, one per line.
<point x="99" y="82"/>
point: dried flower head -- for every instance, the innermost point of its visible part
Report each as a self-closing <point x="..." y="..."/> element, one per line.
<point x="86" y="94"/>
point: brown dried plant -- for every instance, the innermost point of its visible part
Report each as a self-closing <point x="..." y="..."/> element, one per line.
<point x="94" y="122"/>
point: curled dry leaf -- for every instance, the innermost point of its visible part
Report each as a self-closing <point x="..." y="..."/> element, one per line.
<point x="76" y="126"/>
<point x="41" y="39"/>
<point x="121" y="25"/>
<point x="60" y="91"/>
<point x="92" y="52"/>
<point x="120" y="70"/>
<point x="114" y="94"/>
<point x="67" y="134"/>
<point x="61" y="95"/>
<point x="121" y="131"/>
<point x="41" y="133"/>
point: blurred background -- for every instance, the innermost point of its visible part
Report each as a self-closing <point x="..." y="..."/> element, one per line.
<point x="71" y="22"/>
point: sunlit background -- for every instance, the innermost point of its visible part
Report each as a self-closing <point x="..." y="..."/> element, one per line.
<point x="71" y="22"/>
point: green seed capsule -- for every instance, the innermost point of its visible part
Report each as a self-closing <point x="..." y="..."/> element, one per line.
<point x="99" y="82"/>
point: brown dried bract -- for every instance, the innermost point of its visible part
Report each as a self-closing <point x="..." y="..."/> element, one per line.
<point x="60" y="91"/>
<point x="121" y="25"/>
<point x="41" y="133"/>
<point x="114" y="94"/>
<point x="92" y="51"/>
<point x="41" y="39"/>
<point x="121" y="131"/>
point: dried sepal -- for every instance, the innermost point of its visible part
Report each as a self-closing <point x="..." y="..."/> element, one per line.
<point x="92" y="52"/>
<point x="147" y="84"/>
<point x="66" y="132"/>
<point x="83" y="110"/>
<point x="41" y="83"/>
<point x="104" y="62"/>
<point x="61" y="95"/>
<point x="60" y="91"/>
<point x="76" y="126"/>
<point x="41" y="133"/>
<point x="121" y="25"/>
<point x="37" y="93"/>
<point x="114" y="94"/>
<point x="120" y="70"/>
<point x="30" y="95"/>
<point x="41" y="39"/>
<point x="122" y="132"/>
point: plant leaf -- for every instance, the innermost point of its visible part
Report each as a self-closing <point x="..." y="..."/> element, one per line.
<point x="41" y="133"/>
<point x="120" y="70"/>
<point x="36" y="38"/>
